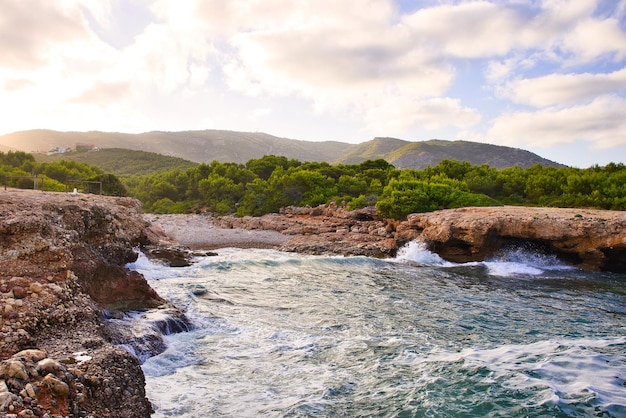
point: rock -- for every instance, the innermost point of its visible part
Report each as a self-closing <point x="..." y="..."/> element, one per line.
<point x="591" y="239"/>
<point x="19" y="292"/>
<point x="6" y="400"/>
<point x="14" y="369"/>
<point x="173" y="256"/>
<point x="198" y="290"/>
<point x="26" y="413"/>
<point x="62" y="260"/>
<point x="56" y="386"/>
<point x="31" y="356"/>
<point x="49" y="365"/>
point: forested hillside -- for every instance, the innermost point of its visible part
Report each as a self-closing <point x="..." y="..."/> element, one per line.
<point x="122" y="162"/>
<point x="266" y="184"/>
<point x="422" y="154"/>
<point x="17" y="169"/>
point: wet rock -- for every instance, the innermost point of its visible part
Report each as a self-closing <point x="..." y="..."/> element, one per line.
<point x="198" y="290"/>
<point x="172" y="256"/>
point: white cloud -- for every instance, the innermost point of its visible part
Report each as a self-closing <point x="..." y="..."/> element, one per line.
<point x="357" y="67"/>
<point x="564" y="89"/>
<point x="468" y="30"/>
<point x="592" y="38"/>
<point x="601" y="123"/>
<point x="399" y="115"/>
<point x="29" y="30"/>
<point x="103" y="93"/>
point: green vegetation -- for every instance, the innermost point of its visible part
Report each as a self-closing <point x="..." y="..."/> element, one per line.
<point x="123" y="162"/>
<point x="18" y="168"/>
<point x="265" y="185"/>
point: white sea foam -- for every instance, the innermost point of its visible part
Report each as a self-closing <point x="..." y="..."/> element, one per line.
<point x="572" y="369"/>
<point x="417" y="252"/>
<point x="523" y="261"/>
<point x="509" y="262"/>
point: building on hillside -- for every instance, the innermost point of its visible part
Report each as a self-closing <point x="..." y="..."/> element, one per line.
<point x="57" y="150"/>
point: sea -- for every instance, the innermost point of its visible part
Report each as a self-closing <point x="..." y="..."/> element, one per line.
<point x="279" y="334"/>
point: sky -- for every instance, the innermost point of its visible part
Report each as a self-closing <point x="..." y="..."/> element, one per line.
<point x="548" y="76"/>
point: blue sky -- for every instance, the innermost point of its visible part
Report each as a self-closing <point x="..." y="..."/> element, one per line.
<point x="548" y="76"/>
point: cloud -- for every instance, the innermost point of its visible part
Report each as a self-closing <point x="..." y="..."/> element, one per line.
<point x="601" y="123"/>
<point x="16" y="84"/>
<point x="564" y="89"/>
<point x="469" y="29"/>
<point x="401" y="114"/>
<point x="592" y="38"/>
<point x="103" y="93"/>
<point x="346" y="59"/>
<point x="29" y="30"/>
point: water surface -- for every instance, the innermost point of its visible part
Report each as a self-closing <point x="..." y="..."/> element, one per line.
<point x="286" y="335"/>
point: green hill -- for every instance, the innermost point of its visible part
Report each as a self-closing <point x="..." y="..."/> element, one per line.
<point x="123" y="162"/>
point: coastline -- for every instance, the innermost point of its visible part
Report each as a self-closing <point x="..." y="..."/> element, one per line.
<point x="62" y="272"/>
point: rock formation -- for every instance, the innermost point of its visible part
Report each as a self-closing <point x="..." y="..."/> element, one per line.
<point x="325" y="230"/>
<point x="590" y="239"/>
<point x="62" y="263"/>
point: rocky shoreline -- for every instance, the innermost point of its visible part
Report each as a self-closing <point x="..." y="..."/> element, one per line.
<point x="62" y="275"/>
<point x="588" y="239"/>
<point x="63" y="284"/>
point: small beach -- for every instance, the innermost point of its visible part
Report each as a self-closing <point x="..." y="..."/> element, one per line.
<point x="198" y="232"/>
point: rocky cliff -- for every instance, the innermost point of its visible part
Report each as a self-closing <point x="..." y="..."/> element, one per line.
<point x="62" y="260"/>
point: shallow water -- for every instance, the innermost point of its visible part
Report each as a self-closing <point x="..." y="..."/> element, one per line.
<point x="285" y="335"/>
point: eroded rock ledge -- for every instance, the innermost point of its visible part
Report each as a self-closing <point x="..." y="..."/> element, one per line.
<point x="590" y="239"/>
<point x="61" y="267"/>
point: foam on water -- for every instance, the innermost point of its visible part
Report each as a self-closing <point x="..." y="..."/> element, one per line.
<point x="570" y="370"/>
<point x="416" y="252"/>
<point x="280" y="334"/>
<point x="523" y="261"/>
<point x="509" y="262"/>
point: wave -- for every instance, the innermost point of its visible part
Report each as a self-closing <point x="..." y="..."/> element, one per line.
<point x="416" y="252"/>
<point x="513" y="261"/>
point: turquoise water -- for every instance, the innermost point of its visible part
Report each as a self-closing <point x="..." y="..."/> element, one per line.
<point x="285" y="335"/>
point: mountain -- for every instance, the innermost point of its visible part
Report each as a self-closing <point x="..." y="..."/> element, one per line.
<point x="240" y="147"/>
<point x="198" y="146"/>
<point x="405" y="154"/>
